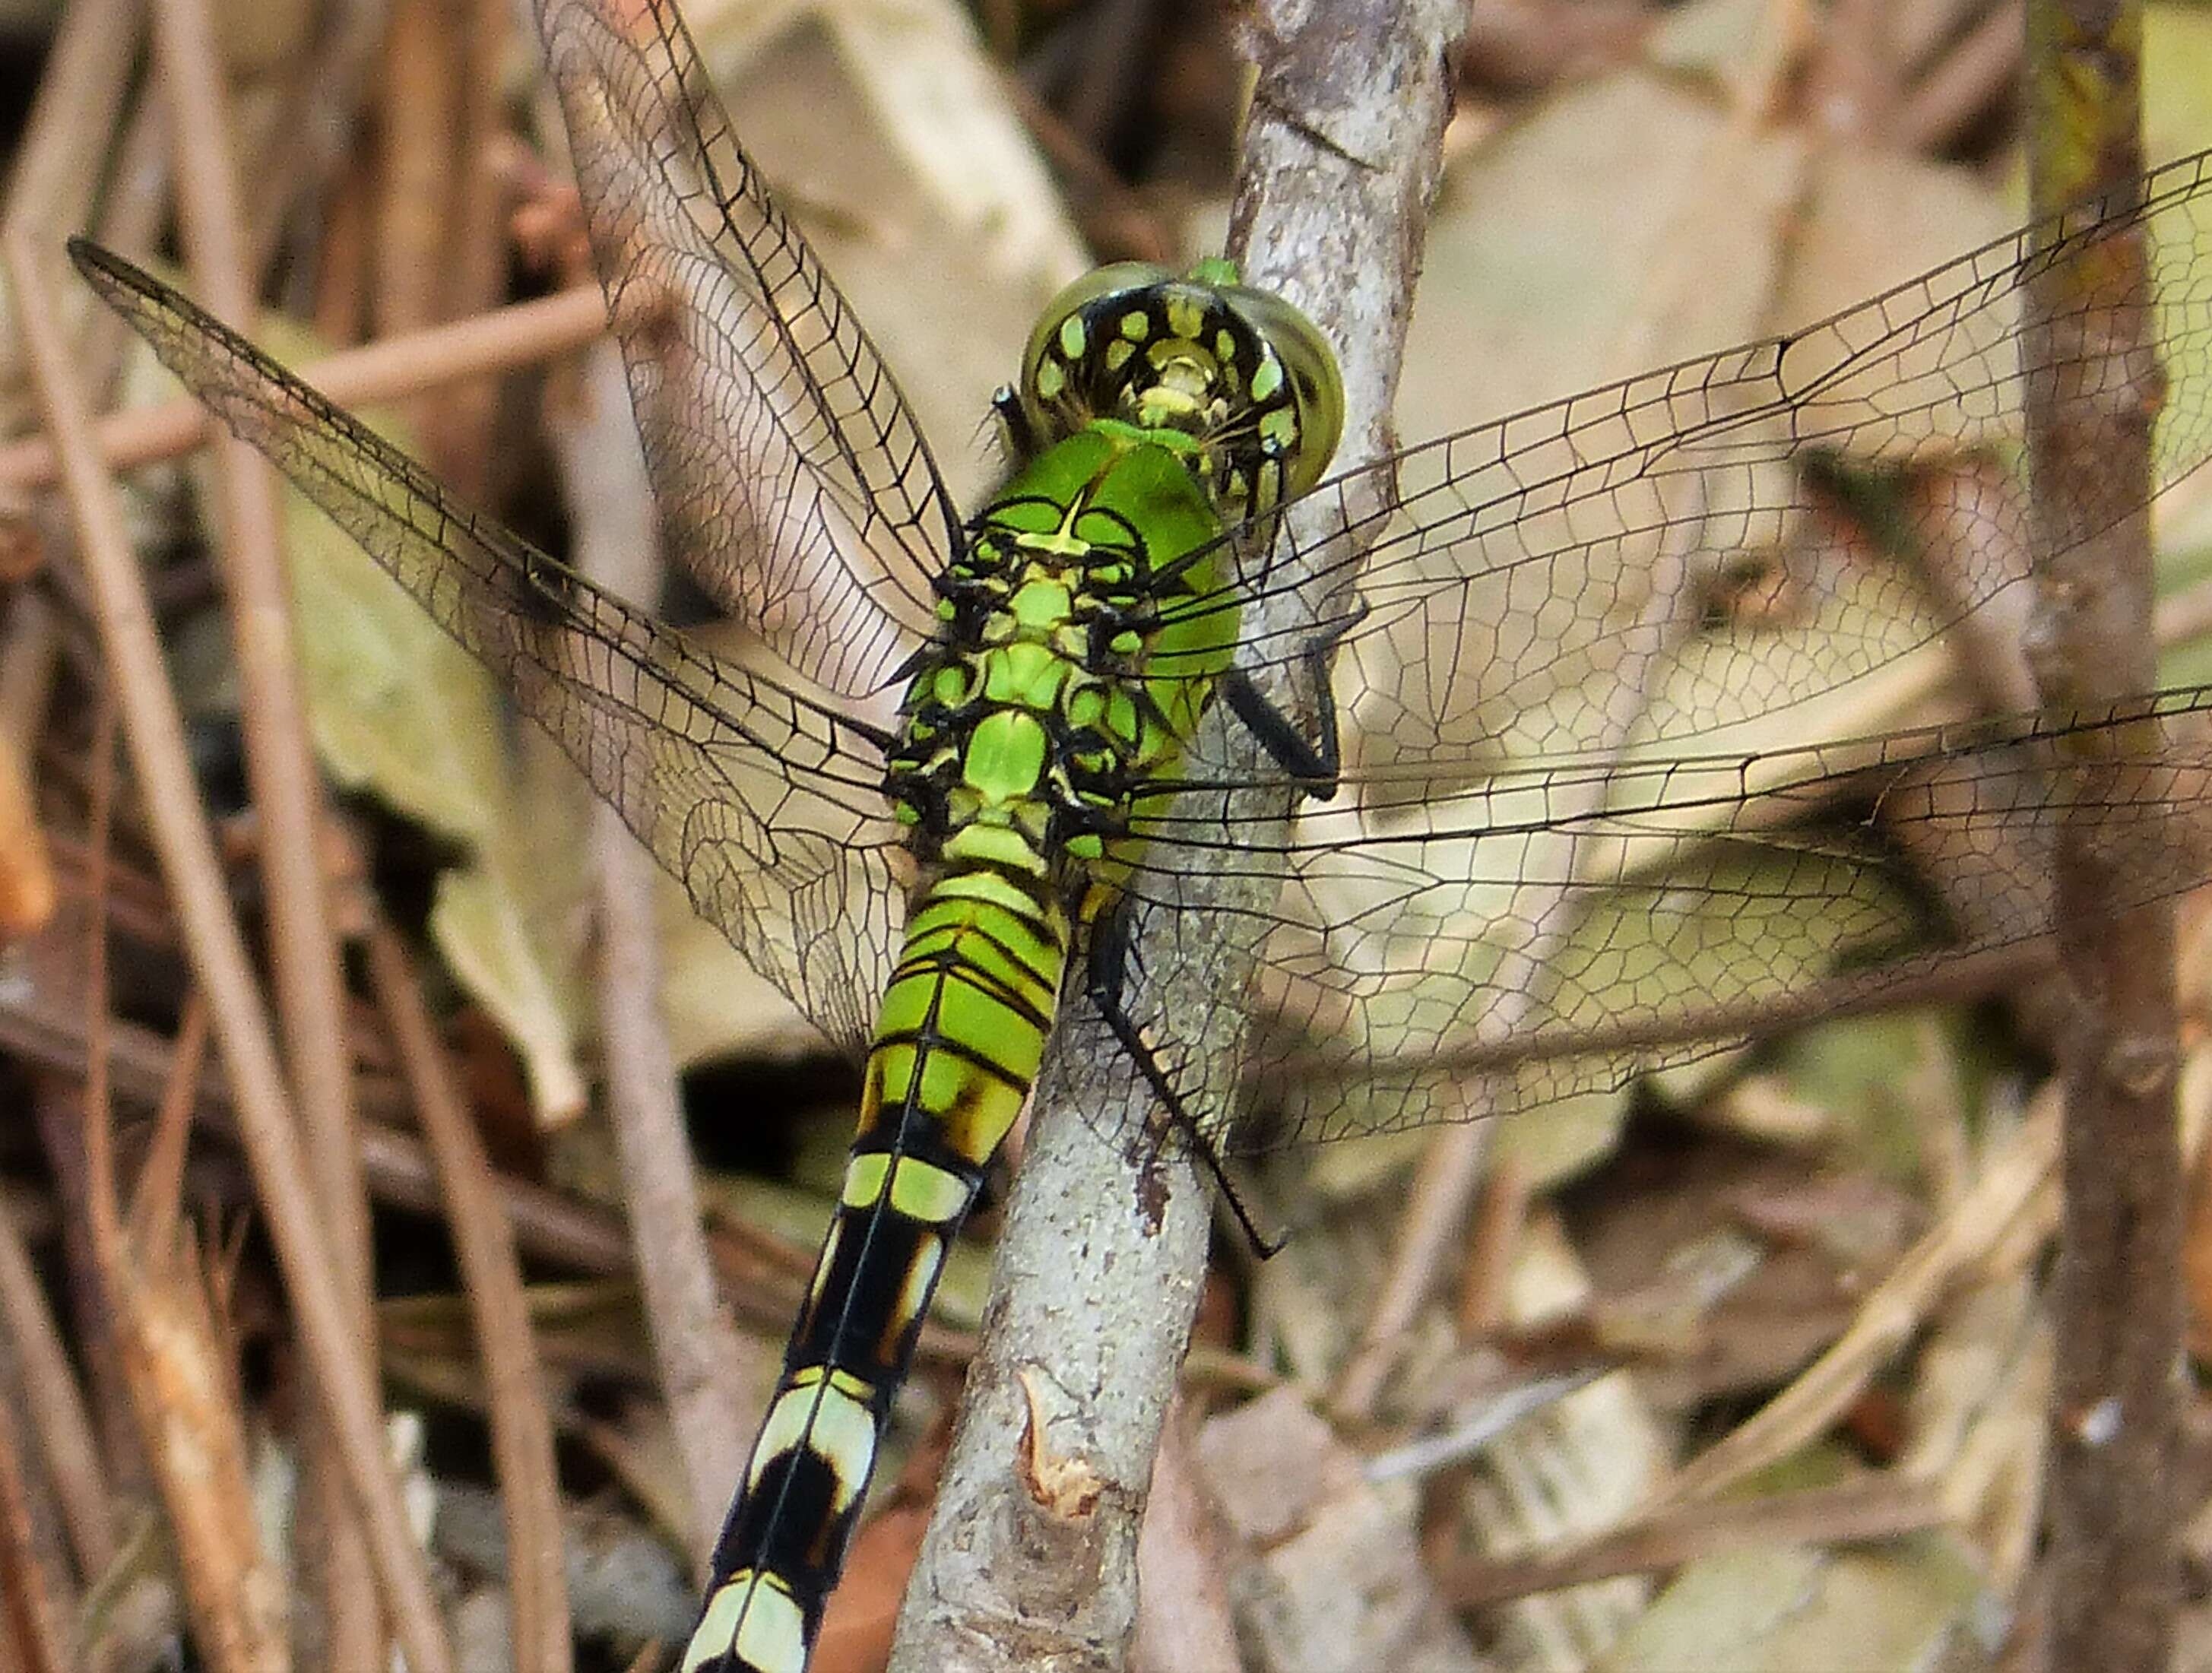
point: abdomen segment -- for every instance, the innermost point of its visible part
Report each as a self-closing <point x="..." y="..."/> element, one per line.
<point x="958" y="1043"/>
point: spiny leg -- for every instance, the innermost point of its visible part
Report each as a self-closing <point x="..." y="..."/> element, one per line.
<point x="1314" y="763"/>
<point x="1106" y="977"/>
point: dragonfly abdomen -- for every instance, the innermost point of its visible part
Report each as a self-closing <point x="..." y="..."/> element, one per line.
<point x="1028" y="728"/>
<point x="960" y="1036"/>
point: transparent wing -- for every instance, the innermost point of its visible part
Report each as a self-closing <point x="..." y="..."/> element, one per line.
<point x="765" y="803"/>
<point x="1516" y="566"/>
<point x="1564" y="927"/>
<point x="1610" y="781"/>
<point x="792" y="481"/>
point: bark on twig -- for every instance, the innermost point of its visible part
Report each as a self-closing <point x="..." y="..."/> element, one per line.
<point x="2090" y="318"/>
<point x="1100" y="1263"/>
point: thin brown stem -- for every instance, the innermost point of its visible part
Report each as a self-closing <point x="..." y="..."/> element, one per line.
<point x="56" y="1406"/>
<point x="286" y="796"/>
<point x="1879" y="1508"/>
<point x="483" y="1242"/>
<point x="32" y="1613"/>
<point x="704" y="1365"/>
<point x="521" y="335"/>
<point x="194" y="877"/>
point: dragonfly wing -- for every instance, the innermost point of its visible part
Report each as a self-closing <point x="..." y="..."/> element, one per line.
<point x="685" y="747"/>
<point x="1618" y="652"/>
<point x="793" y="480"/>
<point x="1567" y="925"/>
<point x="1519" y="566"/>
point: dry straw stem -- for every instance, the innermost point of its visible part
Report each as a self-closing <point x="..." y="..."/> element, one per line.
<point x="1099" y="1266"/>
<point x="287" y="792"/>
<point x="1982" y="1220"/>
<point x="27" y="888"/>
<point x="483" y="1244"/>
<point x="331" y="1348"/>
<point x="704" y="1366"/>
<point x="1879" y="1507"/>
<point x="72" y="114"/>
<point x="69" y="1452"/>
<point x="523" y="334"/>
<point x="175" y="1360"/>
<point x="27" y="1600"/>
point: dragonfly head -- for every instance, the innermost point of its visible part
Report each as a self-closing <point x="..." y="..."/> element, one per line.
<point x="1240" y="372"/>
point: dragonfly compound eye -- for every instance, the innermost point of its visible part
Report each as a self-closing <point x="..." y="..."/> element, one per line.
<point x="1241" y="372"/>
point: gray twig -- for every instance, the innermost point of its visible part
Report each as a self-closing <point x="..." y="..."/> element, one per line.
<point x="1030" y="1558"/>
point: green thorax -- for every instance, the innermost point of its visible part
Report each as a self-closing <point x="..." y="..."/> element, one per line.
<point x="1083" y="628"/>
<point x="1059" y="684"/>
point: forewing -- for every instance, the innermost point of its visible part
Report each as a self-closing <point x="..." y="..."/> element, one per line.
<point x="792" y="481"/>
<point x="1615" y="781"/>
<point x="763" y="803"/>
<point x="1518" y="567"/>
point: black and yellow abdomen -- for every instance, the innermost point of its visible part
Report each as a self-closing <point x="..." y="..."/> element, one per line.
<point x="1083" y="629"/>
<point x="961" y="1032"/>
<point x="1023" y="740"/>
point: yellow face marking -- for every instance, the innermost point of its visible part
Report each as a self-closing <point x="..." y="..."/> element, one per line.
<point x="753" y="1615"/>
<point x="1268" y="379"/>
<point x="1118" y="355"/>
<point x="1050" y="379"/>
<point x="1073" y="336"/>
<point x="1137" y="325"/>
<point x="826" y="1418"/>
<point x="922" y="1191"/>
<point x="1186" y="318"/>
<point x="1225" y="346"/>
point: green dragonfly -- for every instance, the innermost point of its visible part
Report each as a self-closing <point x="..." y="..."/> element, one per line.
<point x="969" y="748"/>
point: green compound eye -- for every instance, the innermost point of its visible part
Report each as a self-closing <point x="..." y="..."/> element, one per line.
<point x="1303" y="361"/>
<point x="1087" y="343"/>
<point x="1061" y="333"/>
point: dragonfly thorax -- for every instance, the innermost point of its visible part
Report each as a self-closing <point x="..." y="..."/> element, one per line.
<point x="1241" y="374"/>
<point x="1041" y="705"/>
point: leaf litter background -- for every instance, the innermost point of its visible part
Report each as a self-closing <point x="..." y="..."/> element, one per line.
<point x="1850" y="1225"/>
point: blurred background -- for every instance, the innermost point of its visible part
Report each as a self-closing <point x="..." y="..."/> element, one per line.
<point x="1626" y="185"/>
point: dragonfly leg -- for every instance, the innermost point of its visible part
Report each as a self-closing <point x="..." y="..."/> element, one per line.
<point x="1015" y="428"/>
<point x="1314" y="763"/>
<point x="1106" y="981"/>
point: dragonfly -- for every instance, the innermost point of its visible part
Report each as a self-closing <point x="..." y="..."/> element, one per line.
<point x="965" y="754"/>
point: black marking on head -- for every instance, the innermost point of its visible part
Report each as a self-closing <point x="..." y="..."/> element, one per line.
<point x="1165" y="352"/>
